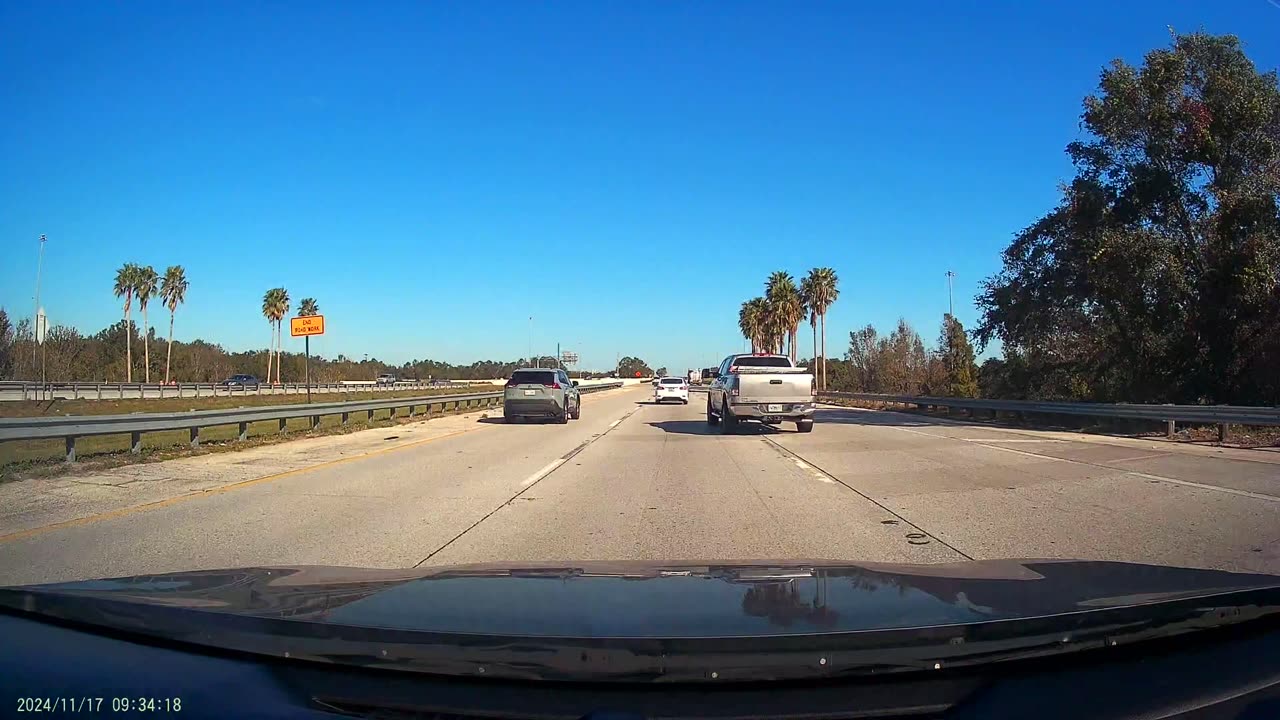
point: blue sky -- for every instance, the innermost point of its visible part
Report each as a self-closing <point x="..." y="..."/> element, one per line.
<point x="626" y="173"/>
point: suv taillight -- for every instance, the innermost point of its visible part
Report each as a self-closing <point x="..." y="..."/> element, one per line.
<point x="553" y="385"/>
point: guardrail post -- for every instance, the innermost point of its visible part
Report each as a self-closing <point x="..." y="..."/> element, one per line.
<point x="24" y="391"/>
<point x="215" y="391"/>
<point x="315" y="421"/>
<point x="162" y="391"/>
<point x="1169" y="428"/>
<point x="99" y="391"/>
<point x="284" y="426"/>
<point x="1222" y="432"/>
<point x="243" y="429"/>
<point x="135" y="442"/>
<point x="121" y="386"/>
<point x="195" y="438"/>
<point x="369" y="419"/>
<point x="71" y="448"/>
<point x="345" y="417"/>
<point x="412" y="410"/>
<point x="392" y="410"/>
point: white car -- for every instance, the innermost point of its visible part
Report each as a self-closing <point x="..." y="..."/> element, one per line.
<point x="671" y="388"/>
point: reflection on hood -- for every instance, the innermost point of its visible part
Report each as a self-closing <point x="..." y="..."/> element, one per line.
<point x="646" y="600"/>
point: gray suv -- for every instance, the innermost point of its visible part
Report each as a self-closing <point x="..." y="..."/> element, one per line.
<point x="541" y="393"/>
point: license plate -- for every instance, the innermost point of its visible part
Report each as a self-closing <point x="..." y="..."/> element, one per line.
<point x="773" y="408"/>
<point x="530" y="392"/>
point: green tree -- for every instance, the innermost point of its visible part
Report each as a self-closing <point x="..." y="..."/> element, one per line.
<point x="173" y="292"/>
<point x="7" y="343"/>
<point x="1157" y="277"/>
<point x="275" y="306"/>
<point x="824" y="290"/>
<point x="960" y="372"/>
<point x="145" y="288"/>
<point x="308" y="307"/>
<point x="752" y="320"/>
<point x="785" y="308"/>
<point x="125" y="286"/>
<point x="629" y="366"/>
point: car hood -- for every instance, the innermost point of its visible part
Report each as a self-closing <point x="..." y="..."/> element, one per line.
<point x="501" y="604"/>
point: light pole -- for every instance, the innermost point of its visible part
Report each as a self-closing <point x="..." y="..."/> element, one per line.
<point x="35" y="318"/>
<point x="951" y="308"/>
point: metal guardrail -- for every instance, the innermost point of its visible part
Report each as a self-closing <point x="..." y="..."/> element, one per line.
<point x="1220" y="415"/>
<point x="30" y="390"/>
<point x="70" y="427"/>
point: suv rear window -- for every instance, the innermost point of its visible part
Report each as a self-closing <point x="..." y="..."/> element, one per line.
<point x="672" y="381"/>
<point x="757" y="361"/>
<point x="532" y="377"/>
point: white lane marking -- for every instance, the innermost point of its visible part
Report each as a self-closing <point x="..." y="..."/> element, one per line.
<point x="614" y="424"/>
<point x="1142" y="457"/>
<point x="824" y="479"/>
<point x="1002" y="440"/>
<point x="802" y="465"/>
<point x="1161" y="478"/>
<point x="546" y="470"/>
<point x="1202" y="486"/>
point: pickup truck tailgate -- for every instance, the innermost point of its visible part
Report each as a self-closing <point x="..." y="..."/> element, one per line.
<point x="771" y="384"/>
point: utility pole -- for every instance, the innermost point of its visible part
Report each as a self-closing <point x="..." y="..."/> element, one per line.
<point x="35" y="318"/>
<point x="530" y="337"/>
<point x="558" y="363"/>
<point x="951" y="307"/>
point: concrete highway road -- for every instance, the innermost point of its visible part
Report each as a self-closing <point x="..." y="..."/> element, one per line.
<point x="633" y="480"/>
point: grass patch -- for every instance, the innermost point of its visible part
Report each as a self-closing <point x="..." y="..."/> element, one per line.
<point x="28" y="458"/>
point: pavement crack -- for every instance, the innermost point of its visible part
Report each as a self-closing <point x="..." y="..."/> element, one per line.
<point x="538" y="477"/>
<point x="869" y="499"/>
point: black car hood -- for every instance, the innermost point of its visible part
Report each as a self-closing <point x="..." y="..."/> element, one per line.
<point x="612" y="604"/>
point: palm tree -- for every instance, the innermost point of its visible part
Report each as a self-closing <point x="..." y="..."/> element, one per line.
<point x="826" y="289"/>
<point x="126" y="282"/>
<point x="807" y="297"/>
<point x="751" y="321"/>
<point x="269" y="304"/>
<point x="282" y="311"/>
<point x="308" y="307"/>
<point x="785" y="306"/>
<point x="173" y="291"/>
<point x="145" y="289"/>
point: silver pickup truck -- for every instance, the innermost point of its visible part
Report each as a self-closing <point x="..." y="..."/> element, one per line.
<point x="760" y="387"/>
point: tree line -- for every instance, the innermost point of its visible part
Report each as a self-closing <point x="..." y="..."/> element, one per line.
<point x="771" y="322"/>
<point x="103" y="356"/>
<point x="900" y="363"/>
<point x="1156" y="278"/>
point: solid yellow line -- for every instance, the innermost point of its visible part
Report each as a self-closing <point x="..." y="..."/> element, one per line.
<point x="134" y="509"/>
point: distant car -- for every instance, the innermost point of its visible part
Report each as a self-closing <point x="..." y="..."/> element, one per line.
<point x="541" y="393"/>
<point x="385" y="379"/>
<point x="441" y="383"/>
<point x="240" y="381"/>
<point x="671" y="388"/>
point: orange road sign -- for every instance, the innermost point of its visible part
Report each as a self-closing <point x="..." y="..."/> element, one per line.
<point x="307" y="325"/>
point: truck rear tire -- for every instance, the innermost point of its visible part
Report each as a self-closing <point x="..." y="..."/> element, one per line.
<point x="728" y="423"/>
<point x="712" y="419"/>
<point x="804" y="426"/>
